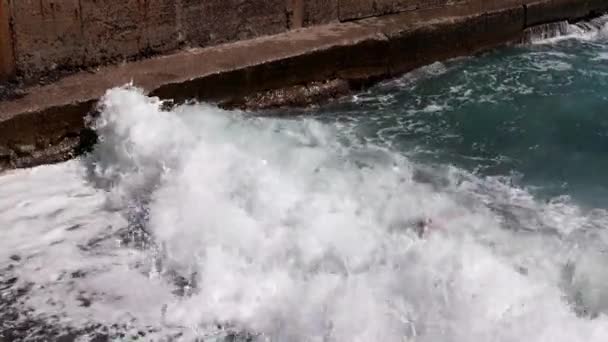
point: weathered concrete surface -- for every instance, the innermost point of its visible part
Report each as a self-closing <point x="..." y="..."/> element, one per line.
<point x="77" y="34"/>
<point x="7" y="62"/>
<point x="64" y="36"/>
<point x="420" y="37"/>
<point x="295" y="13"/>
<point x="46" y="124"/>
<point x="161" y="28"/>
<point x="213" y="22"/>
<point x="304" y="13"/>
<point x="119" y="29"/>
<point x="358" y="9"/>
<point x="318" y="12"/>
<point x="543" y="11"/>
<point x="71" y="34"/>
<point x="47" y="33"/>
<point x="112" y="29"/>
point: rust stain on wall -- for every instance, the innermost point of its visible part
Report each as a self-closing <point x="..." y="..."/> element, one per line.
<point x="7" y="61"/>
<point x="297" y="13"/>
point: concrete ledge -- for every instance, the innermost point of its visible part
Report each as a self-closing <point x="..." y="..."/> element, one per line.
<point x="47" y="123"/>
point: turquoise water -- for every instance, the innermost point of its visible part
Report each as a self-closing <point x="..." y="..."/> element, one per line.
<point x="538" y="114"/>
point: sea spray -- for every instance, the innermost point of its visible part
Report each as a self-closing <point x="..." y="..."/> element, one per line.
<point x="292" y="236"/>
<point x="552" y="32"/>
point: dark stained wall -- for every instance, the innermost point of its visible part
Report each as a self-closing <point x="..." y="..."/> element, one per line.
<point x="7" y="62"/>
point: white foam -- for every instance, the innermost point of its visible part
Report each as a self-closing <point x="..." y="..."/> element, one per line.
<point x="294" y="236"/>
<point x="549" y="64"/>
<point x="555" y="32"/>
<point x="602" y="56"/>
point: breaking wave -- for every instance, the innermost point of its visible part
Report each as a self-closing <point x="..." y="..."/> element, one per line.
<point x="197" y="223"/>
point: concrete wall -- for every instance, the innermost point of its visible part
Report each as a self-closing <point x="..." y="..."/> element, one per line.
<point x="214" y="22"/>
<point x="71" y="34"/>
<point x="312" y="12"/>
<point x="355" y="9"/>
<point x="41" y="36"/>
<point x="544" y="11"/>
<point x="7" y="62"/>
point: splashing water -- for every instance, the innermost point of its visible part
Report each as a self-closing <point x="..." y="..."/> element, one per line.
<point x="198" y="223"/>
<point x="554" y="32"/>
